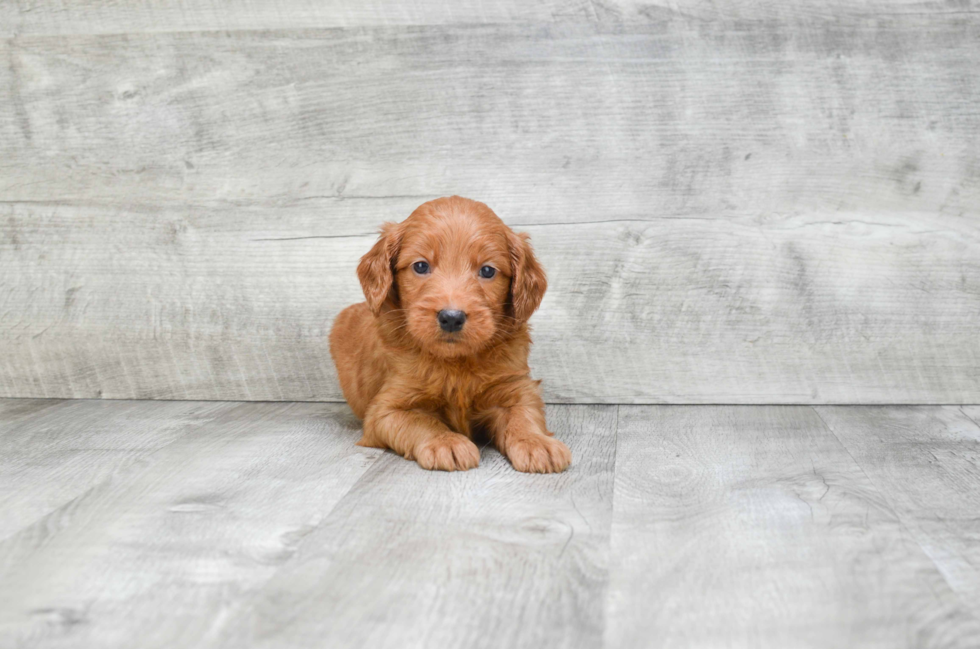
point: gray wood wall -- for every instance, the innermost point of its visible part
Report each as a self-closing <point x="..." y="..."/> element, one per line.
<point x="737" y="202"/>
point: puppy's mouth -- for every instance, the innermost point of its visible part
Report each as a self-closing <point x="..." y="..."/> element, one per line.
<point x="453" y="344"/>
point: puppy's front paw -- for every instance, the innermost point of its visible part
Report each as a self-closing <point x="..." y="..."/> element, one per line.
<point x="450" y="452"/>
<point x="539" y="454"/>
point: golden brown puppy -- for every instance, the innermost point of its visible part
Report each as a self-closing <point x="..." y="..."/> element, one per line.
<point x="439" y="350"/>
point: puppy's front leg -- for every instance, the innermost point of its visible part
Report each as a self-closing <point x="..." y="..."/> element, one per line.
<point x="518" y="430"/>
<point x="419" y="436"/>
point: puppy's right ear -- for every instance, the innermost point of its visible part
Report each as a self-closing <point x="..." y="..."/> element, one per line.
<point x="376" y="270"/>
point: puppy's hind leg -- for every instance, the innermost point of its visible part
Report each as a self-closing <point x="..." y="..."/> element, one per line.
<point x="419" y="436"/>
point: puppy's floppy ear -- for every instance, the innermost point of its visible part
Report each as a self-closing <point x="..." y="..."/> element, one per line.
<point x="527" y="281"/>
<point x="376" y="270"/>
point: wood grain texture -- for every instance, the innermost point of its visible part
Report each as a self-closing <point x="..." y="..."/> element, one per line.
<point x="485" y="558"/>
<point x="161" y="551"/>
<point x="925" y="462"/>
<point x="547" y="122"/>
<point x="62" y="449"/>
<point x="23" y="17"/>
<point x="780" y="211"/>
<point x="690" y="526"/>
<point x="14" y="410"/>
<point x="753" y="527"/>
<point x="744" y="310"/>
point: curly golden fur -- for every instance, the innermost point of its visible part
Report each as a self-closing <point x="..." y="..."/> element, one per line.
<point x="424" y="387"/>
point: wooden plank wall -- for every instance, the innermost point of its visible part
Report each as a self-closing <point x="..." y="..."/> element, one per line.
<point x="737" y="202"/>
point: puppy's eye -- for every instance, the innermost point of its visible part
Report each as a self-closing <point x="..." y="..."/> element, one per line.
<point x="421" y="267"/>
<point x="487" y="272"/>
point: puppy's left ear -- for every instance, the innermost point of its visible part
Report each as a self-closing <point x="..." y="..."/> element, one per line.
<point x="376" y="270"/>
<point x="527" y="281"/>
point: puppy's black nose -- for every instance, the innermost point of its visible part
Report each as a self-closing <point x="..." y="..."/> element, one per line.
<point x="451" y="320"/>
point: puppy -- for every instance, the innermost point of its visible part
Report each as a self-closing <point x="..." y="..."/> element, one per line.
<point x="439" y="350"/>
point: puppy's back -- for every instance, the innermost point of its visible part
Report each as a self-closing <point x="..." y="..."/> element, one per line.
<point x="356" y="347"/>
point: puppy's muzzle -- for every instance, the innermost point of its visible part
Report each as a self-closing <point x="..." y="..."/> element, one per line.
<point x="451" y="320"/>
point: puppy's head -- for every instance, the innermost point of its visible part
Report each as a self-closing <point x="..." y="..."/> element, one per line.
<point x="455" y="276"/>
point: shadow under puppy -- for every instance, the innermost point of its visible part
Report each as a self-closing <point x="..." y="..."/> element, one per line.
<point x="439" y="350"/>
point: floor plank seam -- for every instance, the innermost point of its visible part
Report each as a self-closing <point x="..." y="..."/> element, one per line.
<point x="964" y="413"/>
<point x="863" y="472"/>
<point x="901" y="520"/>
<point x="249" y="598"/>
<point x="612" y="520"/>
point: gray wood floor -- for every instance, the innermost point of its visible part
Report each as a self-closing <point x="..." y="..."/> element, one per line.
<point x="217" y="524"/>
